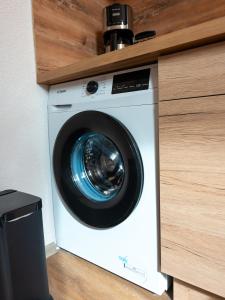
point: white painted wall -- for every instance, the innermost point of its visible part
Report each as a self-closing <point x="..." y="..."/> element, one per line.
<point x="24" y="157"/>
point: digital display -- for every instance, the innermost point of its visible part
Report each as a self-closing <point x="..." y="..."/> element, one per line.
<point x="130" y="82"/>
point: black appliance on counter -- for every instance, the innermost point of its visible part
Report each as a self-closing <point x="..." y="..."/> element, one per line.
<point x="118" y="24"/>
<point x="23" y="274"/>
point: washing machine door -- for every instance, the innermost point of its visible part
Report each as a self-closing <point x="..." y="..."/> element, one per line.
<point x="98" y="169"/>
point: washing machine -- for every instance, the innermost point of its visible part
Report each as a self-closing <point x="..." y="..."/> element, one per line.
<point x="103" y="148"/>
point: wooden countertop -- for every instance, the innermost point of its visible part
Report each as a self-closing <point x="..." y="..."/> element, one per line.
<point x="72" y="278"/>
<point x="139" y="54"/>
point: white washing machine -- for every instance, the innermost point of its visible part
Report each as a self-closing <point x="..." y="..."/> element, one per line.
<point x="103" y="146"/>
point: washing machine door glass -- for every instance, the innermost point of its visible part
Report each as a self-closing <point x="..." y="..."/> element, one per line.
<point x="98" y="169"/>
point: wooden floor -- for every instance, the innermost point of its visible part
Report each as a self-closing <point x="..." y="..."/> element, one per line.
<point x="72" y="278"/>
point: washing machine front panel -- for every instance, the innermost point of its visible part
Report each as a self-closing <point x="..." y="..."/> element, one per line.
<point x="129" y="249"/>
<point x="98" y="169"/>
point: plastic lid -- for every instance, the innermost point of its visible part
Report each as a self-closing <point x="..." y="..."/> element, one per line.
<point x="14" y="204"/>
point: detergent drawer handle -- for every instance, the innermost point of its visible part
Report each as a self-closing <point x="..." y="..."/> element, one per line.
<point x="63" y="106"/>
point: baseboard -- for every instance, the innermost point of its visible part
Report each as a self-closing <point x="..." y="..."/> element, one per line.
<point x="51" y="249"/>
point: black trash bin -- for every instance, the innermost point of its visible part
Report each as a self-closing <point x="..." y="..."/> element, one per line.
<point x="23" y="274"/>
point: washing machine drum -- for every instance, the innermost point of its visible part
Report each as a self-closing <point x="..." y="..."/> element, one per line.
<point x="98" y="169"/>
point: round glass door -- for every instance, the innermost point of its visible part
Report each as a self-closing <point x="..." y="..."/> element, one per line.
<point x="98" y="169"/>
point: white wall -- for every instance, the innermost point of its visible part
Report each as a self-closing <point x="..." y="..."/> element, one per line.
<point x="24" y="158"/>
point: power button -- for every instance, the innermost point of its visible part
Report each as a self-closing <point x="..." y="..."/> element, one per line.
<point x="92" y="87"/>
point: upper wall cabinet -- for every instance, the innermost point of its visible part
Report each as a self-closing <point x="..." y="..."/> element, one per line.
<point x="68" y="31"/>
<point x="192" y="166"/>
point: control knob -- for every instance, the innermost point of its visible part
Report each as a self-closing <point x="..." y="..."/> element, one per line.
<point x="92" y="87"/>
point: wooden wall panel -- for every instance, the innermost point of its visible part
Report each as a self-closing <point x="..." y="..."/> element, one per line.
<point x="192" y="191"/>
<point x="141" y="53"/>
<point x="170" y="15"/>
<point x="183" y="291"/>
<point x="66" y="31"/>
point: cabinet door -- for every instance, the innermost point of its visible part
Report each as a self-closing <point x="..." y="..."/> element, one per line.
<point x="192" y="182"/>
<point x="193" y="73"/>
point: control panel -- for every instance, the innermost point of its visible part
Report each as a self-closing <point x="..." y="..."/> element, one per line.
<point x="130" y="82"/>
<point x="106" y="87"/>
<point x="120" y="83"/>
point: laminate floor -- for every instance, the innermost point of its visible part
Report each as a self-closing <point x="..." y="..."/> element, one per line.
<point x="72" y="278"/>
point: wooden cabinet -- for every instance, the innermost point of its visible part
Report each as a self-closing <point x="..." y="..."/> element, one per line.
<point x="194" y="73"/>
<point x="192" y="167"/>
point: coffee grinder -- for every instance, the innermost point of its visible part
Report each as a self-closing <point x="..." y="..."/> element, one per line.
<point x="118" y="34"/>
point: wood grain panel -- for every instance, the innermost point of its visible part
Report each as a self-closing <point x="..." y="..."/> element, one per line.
<point x="192" y="182"/>
<point x="139" y="54"/>
<point x="72" y="278"/>
<point x="67" y="31"/>
<point x="183" y="291"/>
<point x="166" y="16"/>
<point x="193" y="73"/>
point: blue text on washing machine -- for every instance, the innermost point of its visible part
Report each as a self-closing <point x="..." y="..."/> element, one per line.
<point x="124" y="259"/>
